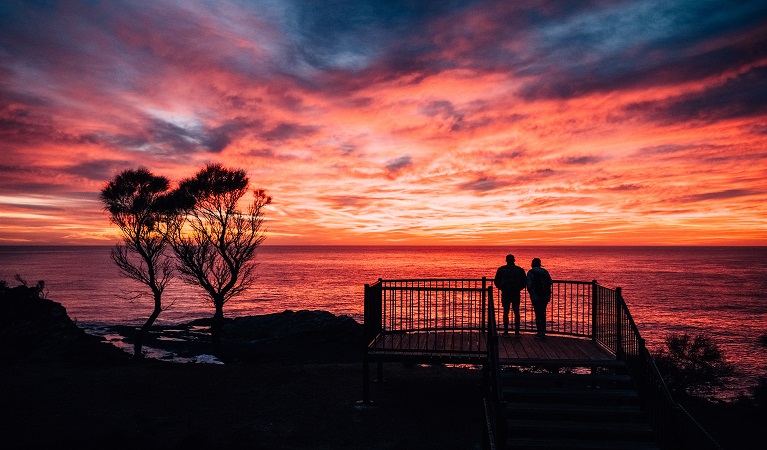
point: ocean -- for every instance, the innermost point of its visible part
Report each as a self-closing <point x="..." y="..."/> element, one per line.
<point x="721" y="291"/>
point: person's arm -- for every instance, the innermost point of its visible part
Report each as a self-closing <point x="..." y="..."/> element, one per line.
<point x="498" y="281"/>
<point x="521" y="278"/>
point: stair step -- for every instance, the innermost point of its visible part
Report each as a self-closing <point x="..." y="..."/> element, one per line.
<point x="608" y="412"/>
<point x="601" y="431"/>
<point x="557" y="393"/>
<point x="575" y="444"/>
<point x="549" y="378"/>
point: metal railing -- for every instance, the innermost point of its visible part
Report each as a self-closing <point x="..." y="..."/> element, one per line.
<point x="459" y="304"/>
<point x="434" y="304"/>
<point x="569" y="312"/>
<point x="425" y="310"/>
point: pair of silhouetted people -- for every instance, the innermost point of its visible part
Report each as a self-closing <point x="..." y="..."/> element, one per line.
<point x="511" y="279"/>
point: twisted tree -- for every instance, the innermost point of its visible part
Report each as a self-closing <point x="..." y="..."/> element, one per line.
<point x="214" y="241"/>
<point x="132" y="200"/>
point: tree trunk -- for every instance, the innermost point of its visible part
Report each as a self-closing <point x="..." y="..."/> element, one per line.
<point x="138" y="343"/>
<point x="216" y="328"/>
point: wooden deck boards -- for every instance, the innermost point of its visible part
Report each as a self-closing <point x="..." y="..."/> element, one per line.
<point x="456" y="346"/>
<point x="470" y="346"/>
<point x="555" y="349"/>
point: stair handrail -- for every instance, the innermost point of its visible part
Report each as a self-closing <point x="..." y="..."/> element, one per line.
<point x="669" y="417"/>
<point x="495" y="407"/>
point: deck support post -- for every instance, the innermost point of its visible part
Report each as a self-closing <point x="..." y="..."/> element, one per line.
<point x="371" y="327"/>
<point x="365" y="380"/>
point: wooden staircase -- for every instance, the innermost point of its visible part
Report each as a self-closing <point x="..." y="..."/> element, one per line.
<point x="574" y="411"/>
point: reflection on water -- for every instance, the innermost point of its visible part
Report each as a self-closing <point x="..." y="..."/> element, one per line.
<point x="718" y="290"/>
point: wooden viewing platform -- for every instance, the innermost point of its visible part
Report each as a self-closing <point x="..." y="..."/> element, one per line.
<point x="589" y="328"/>
<point x="470" y="347"/>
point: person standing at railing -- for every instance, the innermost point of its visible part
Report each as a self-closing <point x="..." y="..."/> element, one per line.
<point x="510" y="279"/>
<point x="539" y="286"/>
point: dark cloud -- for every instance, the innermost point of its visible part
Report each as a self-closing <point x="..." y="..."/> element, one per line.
<point x="742" y="96"/>
<point x="268" y="153"/>
<point x="722" y="195"/>
<point x="348" y="201"/>
<point x="352" y="35"/>
<point x="397" y="164"/>
<point x="217" y="138"/>
<point x="615" y="50"/>
<point x="166" y="138"/>
<point x="28" y="120"/>
<point x="508" y="155"/>
<point x="347" y="148"/>
<point x="661" y="149"/>
<point x="530" y="178"/>
<point x="444" y="109"/>
<point x="287" y="131"/>
<point x="103" y="169"/>
<point x="580" y="160"/>
<point x="625" y="188"/>
<point x="441" y="108"/>
<point x="484" y="184"/>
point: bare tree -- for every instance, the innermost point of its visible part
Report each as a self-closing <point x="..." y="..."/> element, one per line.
<point x="215" y="242"/>
<point x="131" y="199"/>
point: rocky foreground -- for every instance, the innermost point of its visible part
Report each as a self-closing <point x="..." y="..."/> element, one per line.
<point x="294" y="382"/>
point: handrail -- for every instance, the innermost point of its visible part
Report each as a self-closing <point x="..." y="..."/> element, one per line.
<point x="674" y="425"/>
<point x="495" y="407"/>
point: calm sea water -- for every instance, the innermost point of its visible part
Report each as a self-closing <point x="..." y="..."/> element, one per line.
<point x="718" y="290"/>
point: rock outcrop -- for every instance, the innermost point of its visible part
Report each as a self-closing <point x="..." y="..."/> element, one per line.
<point x="295" y="335"/>
<point x="36" y="329"/>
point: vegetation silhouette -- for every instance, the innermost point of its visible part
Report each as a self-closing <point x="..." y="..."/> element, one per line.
<point x="133" y="200"/>
<point x="214" y="241"/>
<point x="692" y="365"/>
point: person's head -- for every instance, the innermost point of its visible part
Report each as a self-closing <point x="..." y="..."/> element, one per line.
<point x="509" y="259"/>
<point x="536" y="262"/>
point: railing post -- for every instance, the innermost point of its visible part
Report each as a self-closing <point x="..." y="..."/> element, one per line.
<point x="618" y="324"/>
<point x="371" y="326"/>
<point x="594" y="306"/>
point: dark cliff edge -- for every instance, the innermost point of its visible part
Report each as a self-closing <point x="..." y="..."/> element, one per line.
<point x="34" y="329"/>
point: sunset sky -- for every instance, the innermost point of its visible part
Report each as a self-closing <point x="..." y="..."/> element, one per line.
<point x="396" y="122"/>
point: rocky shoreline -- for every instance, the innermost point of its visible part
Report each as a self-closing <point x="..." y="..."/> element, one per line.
<point x="290" y="335"/>
<point x="37" y="329"/>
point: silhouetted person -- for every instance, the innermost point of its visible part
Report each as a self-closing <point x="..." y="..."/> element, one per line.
<point x="539" y="286"/>
<point x="510" y="279"/>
